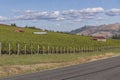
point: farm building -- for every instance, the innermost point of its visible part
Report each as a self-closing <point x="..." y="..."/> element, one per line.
<point x="99" y="38"/>
<point x="18" y="30"/>
<point x="40" y="33"/>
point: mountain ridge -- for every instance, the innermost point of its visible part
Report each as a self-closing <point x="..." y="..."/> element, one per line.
<point x="101" y="30"/>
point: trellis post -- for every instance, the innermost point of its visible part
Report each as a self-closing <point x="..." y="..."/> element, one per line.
<point x="43" y="50"/>
<point x="52" y="50"/>
<point x="0" y="48"/>
<point x="9" y="49"/>
<point x="25" y="49"/>
<point x="18" y="51"/>
<point x="38" y="49"/>
<point x="31" y="49"/>
<point x="48" y="50"/>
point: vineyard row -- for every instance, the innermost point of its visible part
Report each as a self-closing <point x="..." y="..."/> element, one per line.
<point x="25" y="49"/>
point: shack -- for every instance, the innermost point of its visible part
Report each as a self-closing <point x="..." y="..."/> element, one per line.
<point x="42" y="33"/>
<point x="18" y="30"/>
<point x="99" y="38"/>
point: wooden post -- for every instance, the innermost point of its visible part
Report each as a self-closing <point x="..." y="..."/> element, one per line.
<point x="25" y="49"/>
<point x="74" y="50"/>
<point x="18" y="51"/>
<point x="70" y="50"/>
<point x="9" y="49"/>
<point x="52" y="50"/>
<point x="83" y="49"/>
<point x="31" y="49"/>
<point x="48" y="49"/>
<point x="78" y="49"/>
<point x="0" y="48"/>
<point x="61" y="50"/>
<point x="43" y="49"/>
<point x="38" y="49"/>
<point x="88" y="50"/>
<point x="67" y="50"/>
<point x="64" y="50"/>
<point x="56" y="50"/>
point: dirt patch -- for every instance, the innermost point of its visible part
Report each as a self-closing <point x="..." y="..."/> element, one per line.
<point x="19" y="69"/>
<point x="94" y="58"/>
<point x="16" y="69"/>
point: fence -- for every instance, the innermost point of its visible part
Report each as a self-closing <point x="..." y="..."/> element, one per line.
<point x="24" y="49"/>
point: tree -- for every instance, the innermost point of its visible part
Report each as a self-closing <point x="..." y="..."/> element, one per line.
<point x="13" y="24"/>
<point x="116" y="36"/>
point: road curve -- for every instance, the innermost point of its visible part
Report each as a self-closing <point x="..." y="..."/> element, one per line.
<point x="106" y="69"/>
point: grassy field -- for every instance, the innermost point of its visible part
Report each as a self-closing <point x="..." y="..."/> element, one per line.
<point x="48" y="58"/>
<point x="12" y="65"/>
<point x="52" y="40"/>
<point x="85" y="48"/>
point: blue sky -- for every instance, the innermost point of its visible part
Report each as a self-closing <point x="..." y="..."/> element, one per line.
<point x="62" y="15"/>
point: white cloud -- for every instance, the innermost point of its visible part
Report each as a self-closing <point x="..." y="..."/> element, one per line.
<point x="37" y="15"/>
<point x="100" y="18"/>
<point x="29" y="11"/>
<point x="88" y="13"/>
<point x="58" y="24"/>
<point x="3" y="19"/>
<point x="68" y="15"/>
<point x="71" y="12"/>
<point x="113" y="12"/>
<point x="60" y="19"/>
<point x="78" y="20"/>
<point x="92" y="10"/>
<point x="57" y="13"/>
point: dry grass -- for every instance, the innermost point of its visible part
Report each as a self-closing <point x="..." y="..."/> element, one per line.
<point x="19" y="69"/>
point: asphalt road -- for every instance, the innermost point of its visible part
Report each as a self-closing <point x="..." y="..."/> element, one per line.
<point x="107" y="69"/>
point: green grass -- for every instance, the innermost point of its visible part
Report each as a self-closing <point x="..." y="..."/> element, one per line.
<point x="8" y="62"/>
<point x="37" y="59"/>
<point x="7" y="34"/>
<point x="52" y="39"/>
<point x="45" y="58"/>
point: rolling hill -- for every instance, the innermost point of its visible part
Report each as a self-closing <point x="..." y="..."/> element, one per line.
<point x="53" y="40"/>
<point x="7" y="34"/>
<point x="102" y="30"/>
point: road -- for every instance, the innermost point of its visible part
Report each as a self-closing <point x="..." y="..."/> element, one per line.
<point x="106" y="69"/>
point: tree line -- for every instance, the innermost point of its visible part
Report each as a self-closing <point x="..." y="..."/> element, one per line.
<point x="116" y="36"/>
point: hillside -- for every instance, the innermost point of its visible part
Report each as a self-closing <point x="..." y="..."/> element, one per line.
<point x="102" y="30"/>
<point x="7" y="34"/>
<point x="52" y="41"/>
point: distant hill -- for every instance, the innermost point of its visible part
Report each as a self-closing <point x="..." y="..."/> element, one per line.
<point x="102" y="30"/>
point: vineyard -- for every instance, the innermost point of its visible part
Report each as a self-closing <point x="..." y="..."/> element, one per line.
<point x="28" y="43"/>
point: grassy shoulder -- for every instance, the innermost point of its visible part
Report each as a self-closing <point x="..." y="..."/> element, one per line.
<point x="12" y="65"/>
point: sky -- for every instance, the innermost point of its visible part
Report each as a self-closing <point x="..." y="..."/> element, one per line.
<point x="59" y="15"/>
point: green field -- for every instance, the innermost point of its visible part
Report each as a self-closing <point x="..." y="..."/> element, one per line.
<point x="51" y="58"/>
<point x="12" y="65"/>
<point x="55" y="42"/>
<point x="80" y="48"/>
